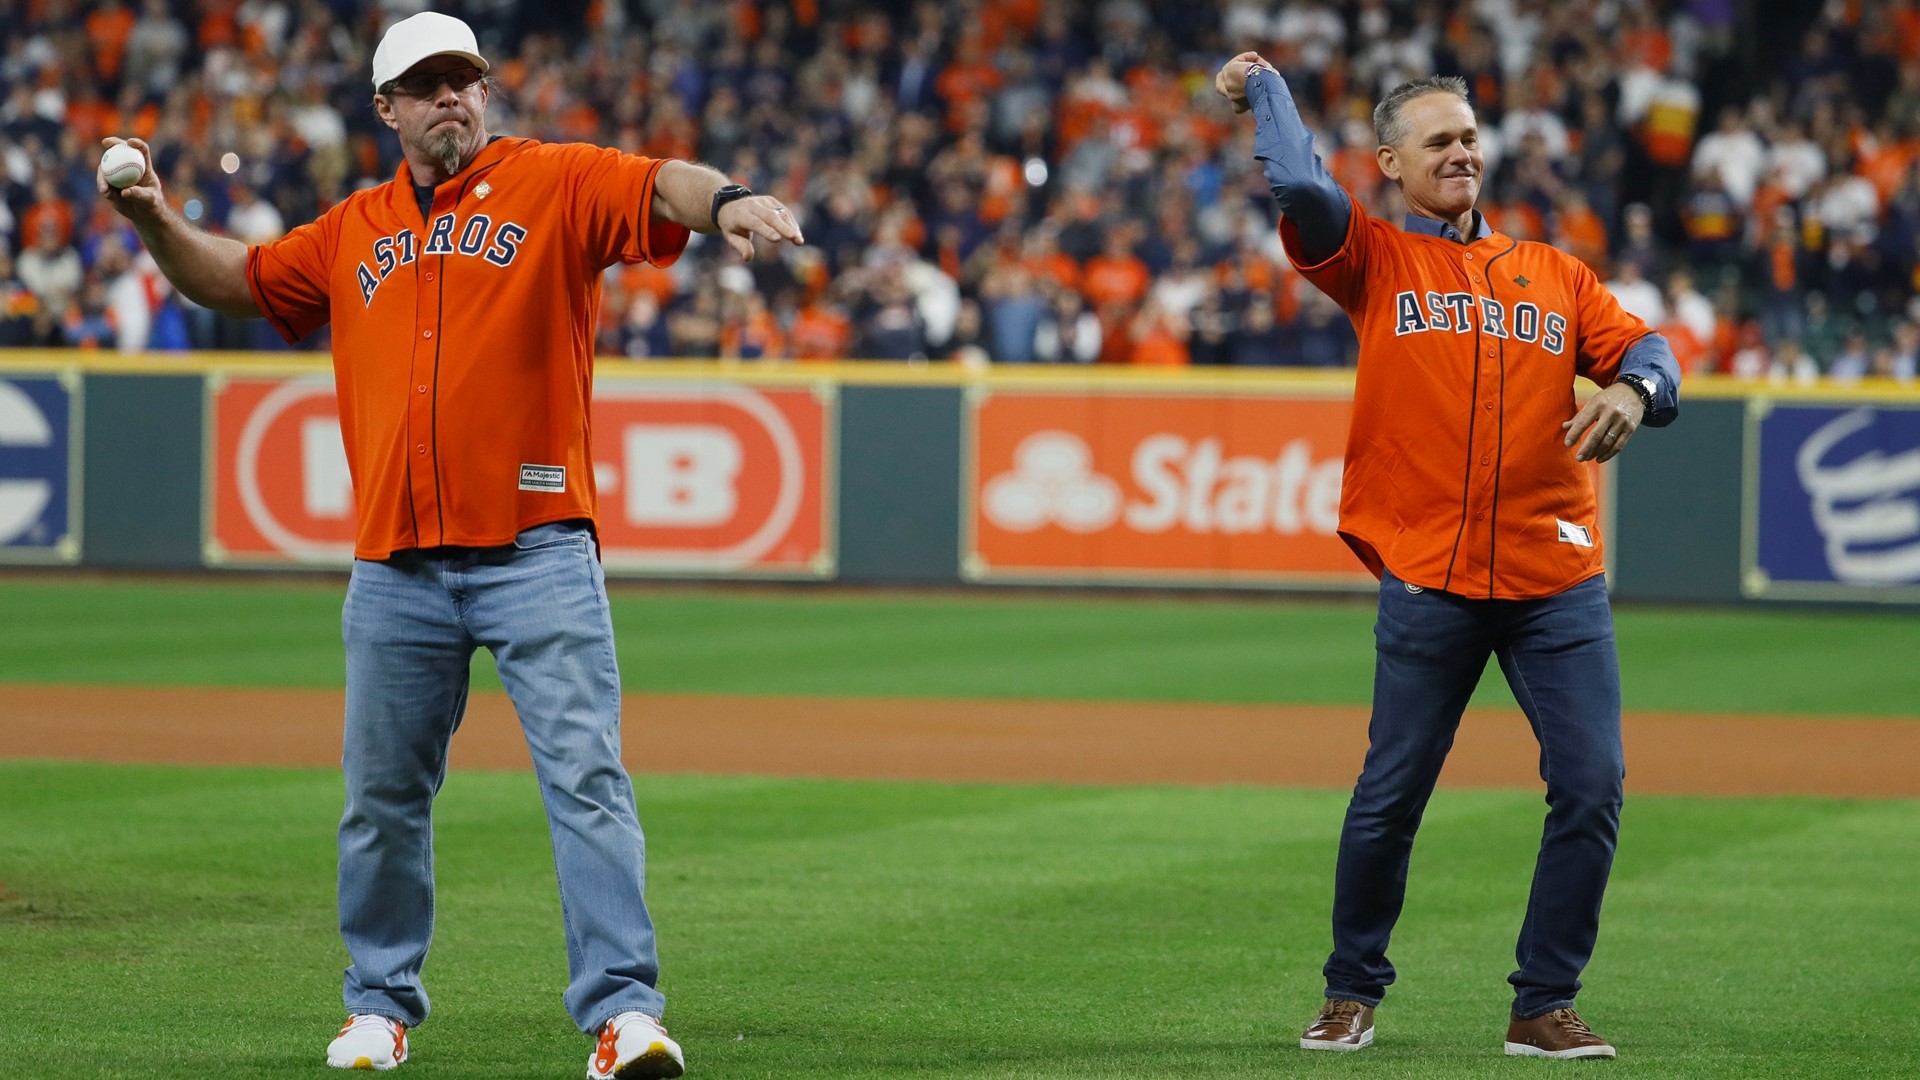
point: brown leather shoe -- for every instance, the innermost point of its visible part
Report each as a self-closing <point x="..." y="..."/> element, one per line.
<point x="1342" y="1025"/>
<point x="1559" y="1034"/>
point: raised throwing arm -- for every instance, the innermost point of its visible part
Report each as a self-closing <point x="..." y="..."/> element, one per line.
<point x="1307" y="194"/>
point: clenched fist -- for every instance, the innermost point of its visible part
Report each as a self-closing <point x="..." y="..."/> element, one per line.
<point x="1232" y="80"/>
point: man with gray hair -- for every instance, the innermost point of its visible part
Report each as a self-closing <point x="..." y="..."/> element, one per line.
<point x="1467" y="492"/>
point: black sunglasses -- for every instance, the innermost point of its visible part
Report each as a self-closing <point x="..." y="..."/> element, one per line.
<point x="425" y="83"/>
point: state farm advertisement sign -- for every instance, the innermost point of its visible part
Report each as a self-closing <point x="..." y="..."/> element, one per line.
<point x="693" y="478"/>
<point x="1158" y="488"/>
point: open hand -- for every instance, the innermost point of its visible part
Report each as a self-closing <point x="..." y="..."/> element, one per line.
<point x="757" y="215"/>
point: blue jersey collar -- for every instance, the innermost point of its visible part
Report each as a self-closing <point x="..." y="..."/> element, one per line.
<point x="1445" y="230"/>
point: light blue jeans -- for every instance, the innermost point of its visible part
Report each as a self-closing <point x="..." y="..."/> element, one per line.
<point x="411" y="625"/>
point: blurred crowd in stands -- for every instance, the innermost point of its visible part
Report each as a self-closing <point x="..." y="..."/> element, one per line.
<point x="1015" y="181"/>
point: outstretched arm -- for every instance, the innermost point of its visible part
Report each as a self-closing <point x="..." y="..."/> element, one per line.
<point x="683" y="194"/>
<point x="1307" y="194"/>
<point x="209" y="270"/>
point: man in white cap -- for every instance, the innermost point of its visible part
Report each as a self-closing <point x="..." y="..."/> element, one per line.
<point x="463" y="297"/>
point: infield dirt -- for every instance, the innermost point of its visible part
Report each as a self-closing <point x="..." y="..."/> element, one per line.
<point x="976" y="740"/>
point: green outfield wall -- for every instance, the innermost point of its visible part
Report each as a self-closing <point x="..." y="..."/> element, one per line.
<point x="932" y="475"/>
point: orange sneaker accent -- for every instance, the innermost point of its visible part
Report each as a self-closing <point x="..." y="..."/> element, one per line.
<point x="608" y="1053"/>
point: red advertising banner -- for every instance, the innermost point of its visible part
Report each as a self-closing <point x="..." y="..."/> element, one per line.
<point x="1158" y="488"/>
<point x="699" y="478"/>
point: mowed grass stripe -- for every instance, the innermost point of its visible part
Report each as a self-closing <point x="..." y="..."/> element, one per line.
<point x="819" y="929"/>
<point x="278" y="632"/>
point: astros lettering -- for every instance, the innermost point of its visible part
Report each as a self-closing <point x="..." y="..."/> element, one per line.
<point x="1454" y="311"/>
<point x="479" y="237"/>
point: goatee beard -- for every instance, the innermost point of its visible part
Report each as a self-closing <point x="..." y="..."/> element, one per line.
<point x="446" y="147"/>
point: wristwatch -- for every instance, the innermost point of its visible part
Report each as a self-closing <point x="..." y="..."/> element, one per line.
<point x="1642" y="386"/>
<point x="726" y="194"/>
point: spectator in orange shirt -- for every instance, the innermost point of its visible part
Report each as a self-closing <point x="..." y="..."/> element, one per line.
<point x="1578" y="231"/>
<point x="820" y="331"/>
<point x="1884" y="157"/>
<point x="1159" y="337"/>
<point x="748" y="330"/>
<point x="965" y="83"/>
<point x="47" y="206"/>
<point x="1688" y="350"/>
<point x="646" y="277"/>
<point x="108" y="27"/>
<point x="1116" y="275"/>
<point x="1041" y="254"/>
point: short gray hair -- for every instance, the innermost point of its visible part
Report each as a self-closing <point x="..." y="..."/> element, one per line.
<point x="1390" y="126"/>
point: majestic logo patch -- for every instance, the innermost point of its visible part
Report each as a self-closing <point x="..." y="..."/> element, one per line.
<point x="1577" y="535"/>
<point x="543" y="478"/>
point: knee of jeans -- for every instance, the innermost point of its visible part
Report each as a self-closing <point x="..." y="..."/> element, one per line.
<point x="1377" y="811"/>
<point x="1588" y="791"/>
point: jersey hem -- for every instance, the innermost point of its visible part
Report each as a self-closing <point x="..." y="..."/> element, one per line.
<point x="1363" y="548"/>
<point x="383" y="554"/>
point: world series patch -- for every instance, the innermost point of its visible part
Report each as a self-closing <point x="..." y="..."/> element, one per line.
<point x="543" y="478"/>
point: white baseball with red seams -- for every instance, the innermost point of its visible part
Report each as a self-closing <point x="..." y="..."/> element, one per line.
<point x="122" y="166"/>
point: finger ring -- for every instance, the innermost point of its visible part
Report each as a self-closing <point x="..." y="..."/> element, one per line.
<point x="1612" y="435"/>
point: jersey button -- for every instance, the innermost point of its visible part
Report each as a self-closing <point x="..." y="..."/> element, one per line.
<point x="1489" y="403"/>
<point x="421" y="449"/>
<point x="426" y="333"/>
<point x="1469" y="256"/>
<point x="1486" y="459"/>
<point x="429" y="275"/>
<point x="1481" y="516"/>
<point x="422" y="388"/>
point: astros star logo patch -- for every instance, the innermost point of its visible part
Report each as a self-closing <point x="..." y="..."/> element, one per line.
<point x="1520" y="281"/>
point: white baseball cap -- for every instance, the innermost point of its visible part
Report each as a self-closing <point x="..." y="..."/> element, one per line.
<point x="417" y="37"/>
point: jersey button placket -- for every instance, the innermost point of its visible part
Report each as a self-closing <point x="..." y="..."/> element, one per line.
<point x="420" y="418"/>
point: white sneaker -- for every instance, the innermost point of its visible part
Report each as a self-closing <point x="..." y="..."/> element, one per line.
<point x="633" y="1046"/>
<point x="368" y="1042"/>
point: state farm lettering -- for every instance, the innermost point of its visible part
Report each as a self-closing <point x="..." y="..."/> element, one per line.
<point x="1181" y="483"/>
<point x="1121" y="487"/>
<point x="708" y="478"/>
<point x="1194" y="486"/>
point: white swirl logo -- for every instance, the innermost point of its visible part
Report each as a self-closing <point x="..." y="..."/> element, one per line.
<point x="1053" y="482"/>
<point x="22" y="501"/>
<point x="1864" y="507"/>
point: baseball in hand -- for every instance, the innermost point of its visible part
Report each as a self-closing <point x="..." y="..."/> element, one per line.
<point x="122" y="165"/>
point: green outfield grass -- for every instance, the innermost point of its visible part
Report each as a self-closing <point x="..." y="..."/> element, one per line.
<point x="179" y="923"/>
<point x="255" y="632"/>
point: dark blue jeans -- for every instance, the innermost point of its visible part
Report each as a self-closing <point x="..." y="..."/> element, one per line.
<point x="1558" y="656"/>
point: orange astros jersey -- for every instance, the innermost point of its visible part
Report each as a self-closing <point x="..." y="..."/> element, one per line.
<point x="1456" y="475"/>
<point x="463" y="342"/>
